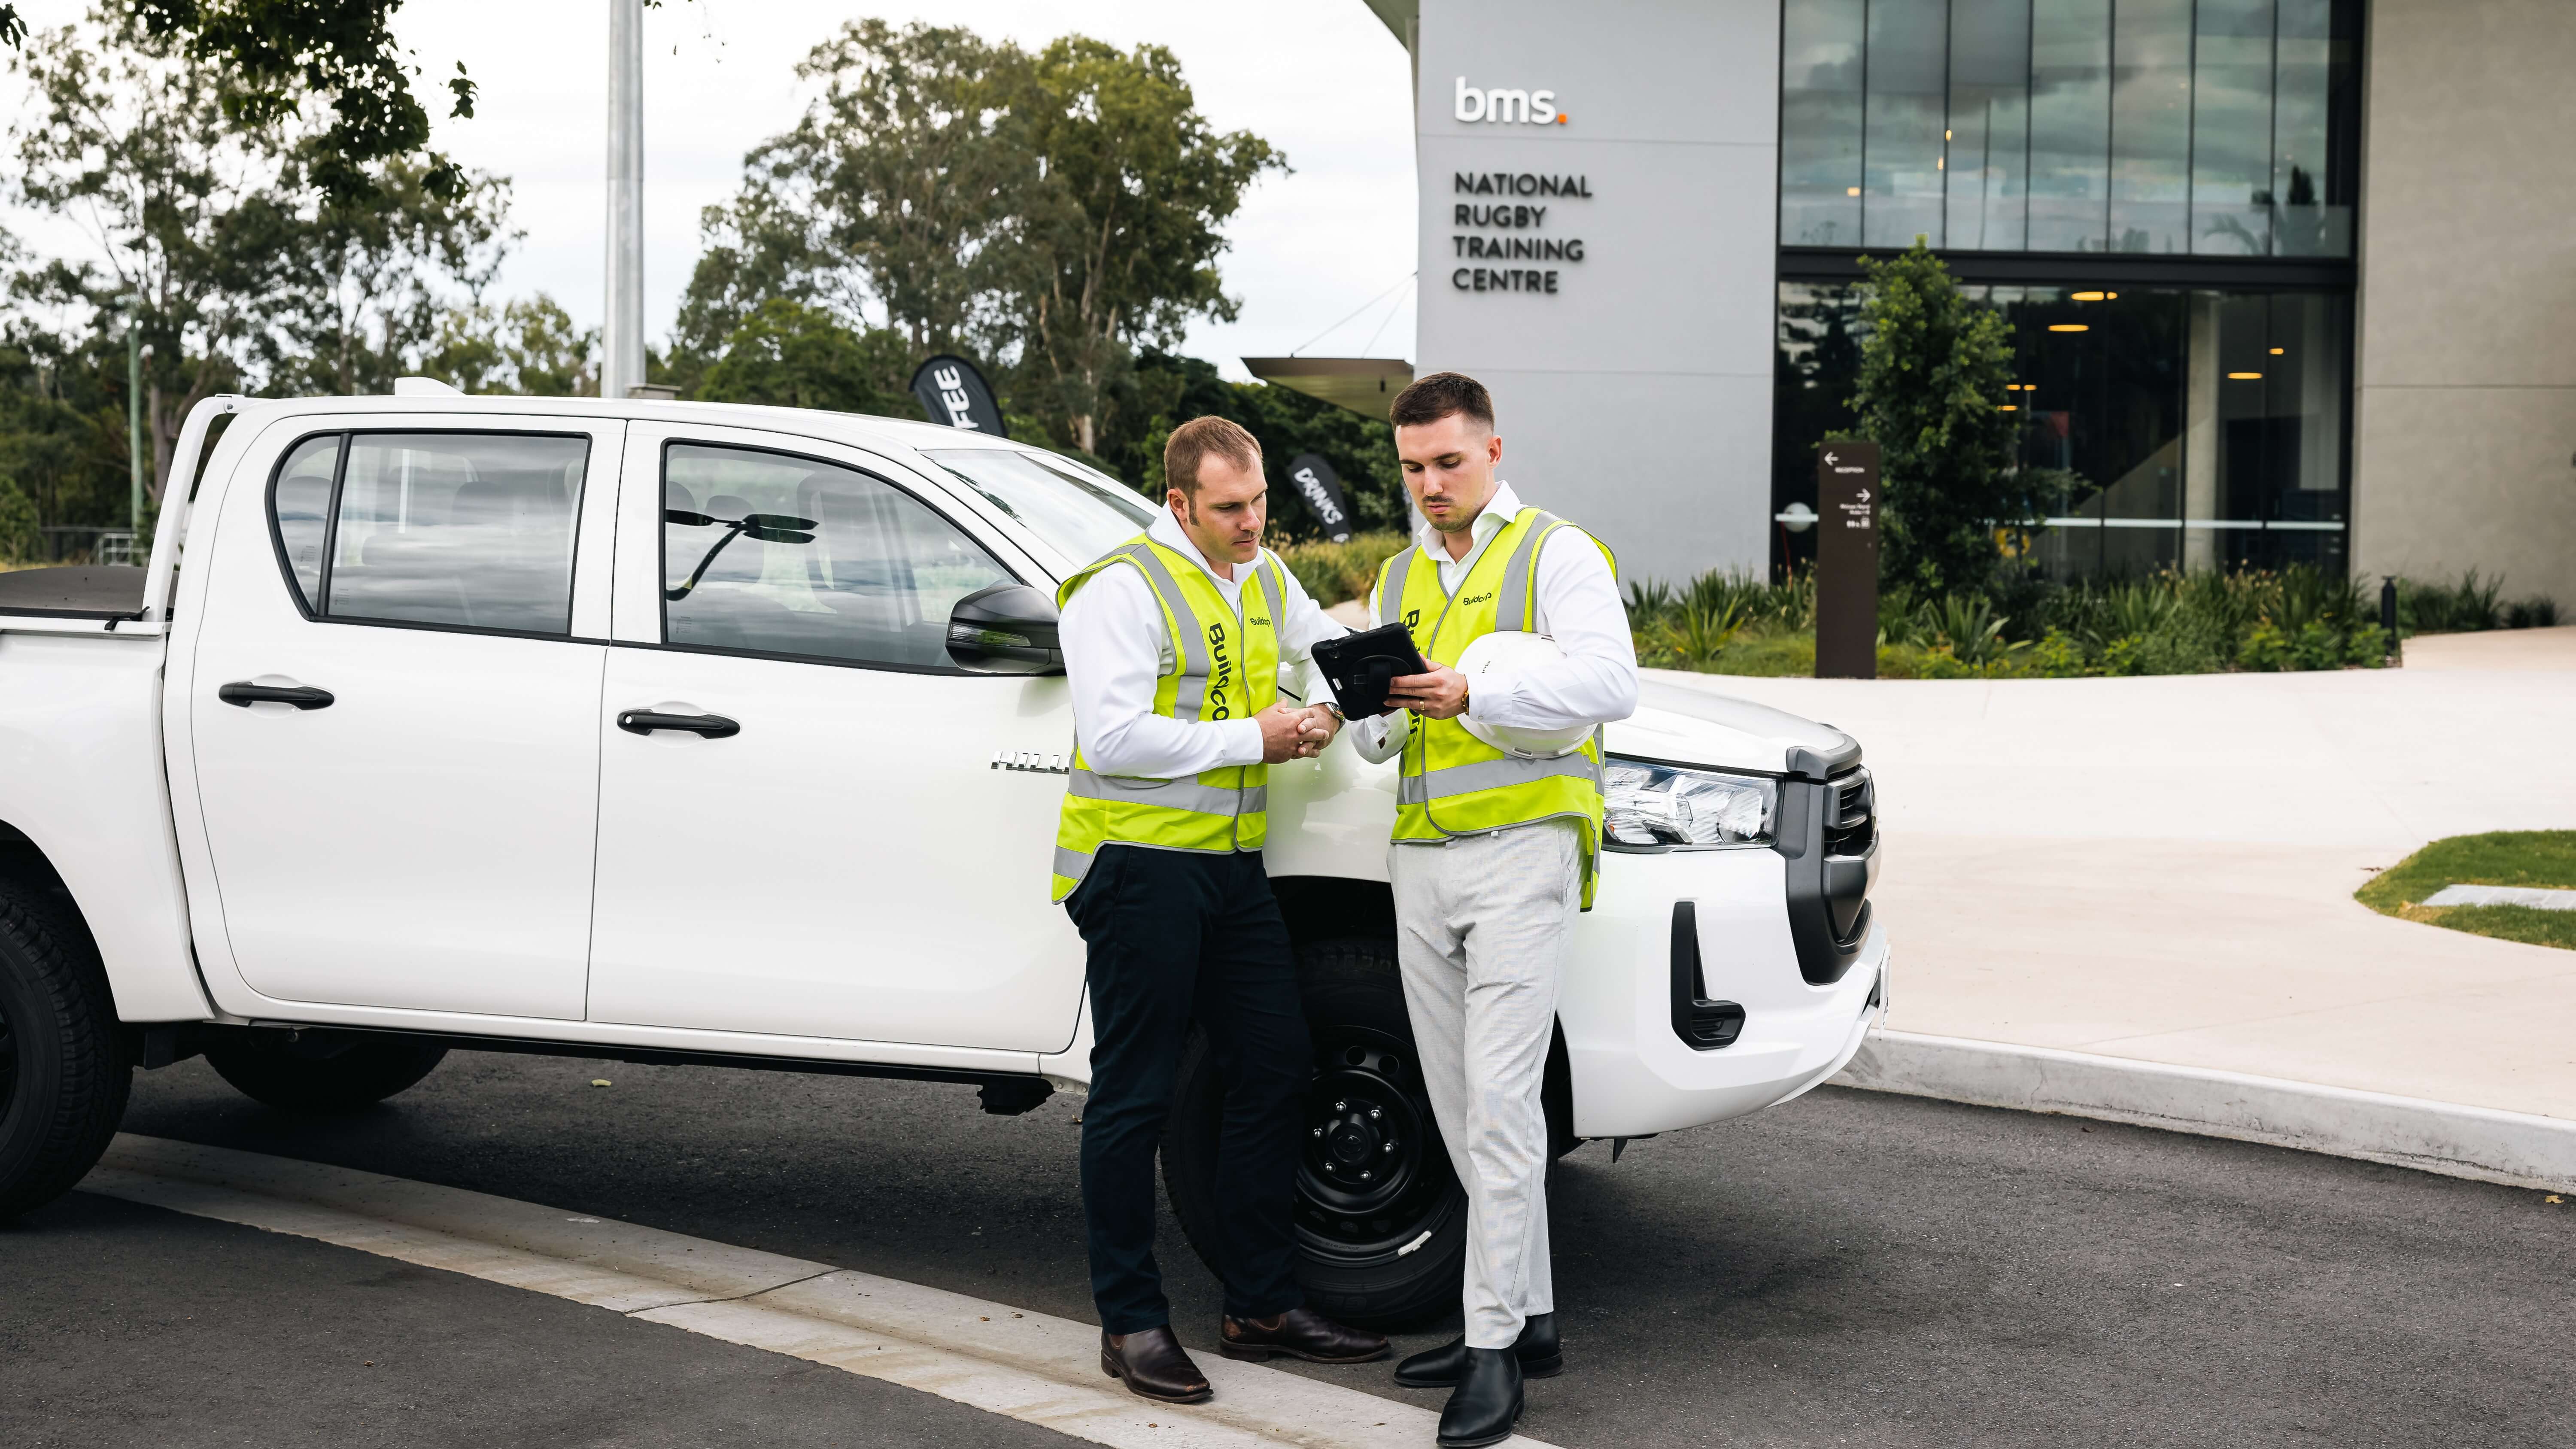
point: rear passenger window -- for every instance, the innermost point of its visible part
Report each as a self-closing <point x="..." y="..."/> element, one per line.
<point x="465" y="530"/>
<point x="773" y="554"/>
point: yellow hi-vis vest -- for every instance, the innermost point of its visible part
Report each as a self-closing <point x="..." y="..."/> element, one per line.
<point x="1222" y="668"/>
<point x="1454" y="783"/>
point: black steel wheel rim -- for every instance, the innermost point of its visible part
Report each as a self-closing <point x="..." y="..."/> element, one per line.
<point x="1373" y="1181"/>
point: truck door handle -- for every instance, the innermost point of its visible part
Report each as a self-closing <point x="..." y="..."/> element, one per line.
<point x="246" y="694"/>
<point x="645" y="721"/>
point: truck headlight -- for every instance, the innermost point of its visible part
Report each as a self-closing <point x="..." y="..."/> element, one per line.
<point x="1651" y="807"/>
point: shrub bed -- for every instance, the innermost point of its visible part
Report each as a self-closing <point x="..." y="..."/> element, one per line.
<point x="2168" y="623"/>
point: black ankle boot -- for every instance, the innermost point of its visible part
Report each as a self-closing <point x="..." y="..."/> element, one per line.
<point x="1438" y="1368"/>
<point x="1486" y="1403"/>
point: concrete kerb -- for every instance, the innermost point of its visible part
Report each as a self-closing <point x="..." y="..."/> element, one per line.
<point x="1017" y="1363"/>
<point x="2480" y="1143"/>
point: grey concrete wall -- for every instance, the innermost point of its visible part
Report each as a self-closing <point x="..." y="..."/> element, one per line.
<point x="2465" y="428"/>
<point x="1636" y="399"/>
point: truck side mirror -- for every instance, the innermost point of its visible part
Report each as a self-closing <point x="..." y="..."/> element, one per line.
<point x="1005" y="629"/>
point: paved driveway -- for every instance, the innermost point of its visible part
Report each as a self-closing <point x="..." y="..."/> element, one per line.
<point x="2163" y="868"/>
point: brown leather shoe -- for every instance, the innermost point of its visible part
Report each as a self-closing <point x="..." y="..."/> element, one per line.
<point x="1153" y="1365"/>
<point x="1298" y="1333"/>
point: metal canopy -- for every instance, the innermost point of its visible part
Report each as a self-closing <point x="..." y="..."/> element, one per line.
<point x="1365" y="385"/>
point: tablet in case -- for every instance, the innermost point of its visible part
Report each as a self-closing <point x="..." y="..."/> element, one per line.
<point x="1359" y="666"/>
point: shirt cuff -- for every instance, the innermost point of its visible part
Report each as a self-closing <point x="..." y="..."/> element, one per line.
<point x="1492" y="694"/>
<point x="1242" y="742"/>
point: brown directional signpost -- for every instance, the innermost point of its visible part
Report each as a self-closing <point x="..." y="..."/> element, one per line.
<point x="1847" y="561"/>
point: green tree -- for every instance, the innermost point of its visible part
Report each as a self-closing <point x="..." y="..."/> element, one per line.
<point x="1932" y="374"/>
<point x="529" y="347"/>
<point x="239" y="274"/>
<point x="355" y="292"/>
<point x="897" y="192"/>
<point x="132" y="145"/>
<point x="788" y="354"/>
<point x="1123" y="246"/>
<point x="270" y="57"/>
<point x="21" y="539"/>
<point x="1165" y="391"/>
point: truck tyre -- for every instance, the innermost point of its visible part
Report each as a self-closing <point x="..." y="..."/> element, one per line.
<point x="321" y="1071"/>
<point x="1381" y="1220"/>
<point x="64" y="1066"/>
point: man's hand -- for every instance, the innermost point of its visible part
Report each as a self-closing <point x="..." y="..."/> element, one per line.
<point x="1290" y="734"/>
<point x="1324" y="724"/>
<point x="1441" y="694"/>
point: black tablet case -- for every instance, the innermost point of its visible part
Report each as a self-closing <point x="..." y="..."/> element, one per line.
<point x="1358" y="667"/>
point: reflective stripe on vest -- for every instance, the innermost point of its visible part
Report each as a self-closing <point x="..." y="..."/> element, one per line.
<point x="1223" y="667"/>
<point x="1452" y="782"/>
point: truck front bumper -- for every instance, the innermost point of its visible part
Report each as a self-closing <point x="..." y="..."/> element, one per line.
<point x="1633" y="1072"/>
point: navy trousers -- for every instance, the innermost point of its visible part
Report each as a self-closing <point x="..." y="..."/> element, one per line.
<point x="1176" y="936"/>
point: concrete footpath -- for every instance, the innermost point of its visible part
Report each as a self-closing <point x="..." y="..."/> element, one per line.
<point x="2162" y="869"/>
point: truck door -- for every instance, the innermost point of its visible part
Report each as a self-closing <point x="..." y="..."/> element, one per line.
<point x="393" y="713"/>
<point x="802" y="833"/>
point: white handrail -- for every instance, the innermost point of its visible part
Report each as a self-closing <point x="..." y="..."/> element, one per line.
<point x="178" y="500"/>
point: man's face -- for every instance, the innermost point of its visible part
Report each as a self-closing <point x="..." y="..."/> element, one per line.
<point x="1225" y="519"/>
<point x="1449" y="468"/>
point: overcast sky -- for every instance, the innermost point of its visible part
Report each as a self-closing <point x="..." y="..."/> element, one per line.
<point x="1322" y="80"/>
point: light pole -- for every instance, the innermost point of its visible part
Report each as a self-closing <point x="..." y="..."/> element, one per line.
<point x="621" y="365"/>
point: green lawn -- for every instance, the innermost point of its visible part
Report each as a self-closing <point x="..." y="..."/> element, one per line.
<point x="2503" y="858"/>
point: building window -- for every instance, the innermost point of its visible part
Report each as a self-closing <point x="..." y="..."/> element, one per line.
<point x="2171" y="427"/>
<point x="2156" y="127"/>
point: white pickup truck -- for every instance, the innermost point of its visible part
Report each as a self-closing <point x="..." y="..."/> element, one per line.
<point x="688" y="733"/>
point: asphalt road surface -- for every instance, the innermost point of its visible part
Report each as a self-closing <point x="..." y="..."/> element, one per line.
<point x="1851" y="1269"/>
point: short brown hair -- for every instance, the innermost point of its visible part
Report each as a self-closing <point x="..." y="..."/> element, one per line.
<point x="1192" y="441"/>
<point x="1435" y="397"/>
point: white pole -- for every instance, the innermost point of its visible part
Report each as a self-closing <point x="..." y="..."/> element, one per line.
<point x="621" y="365"/>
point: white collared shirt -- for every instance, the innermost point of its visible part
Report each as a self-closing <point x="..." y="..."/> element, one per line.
<point x="1117" y="647"/>
<point x="1578" y="605"/>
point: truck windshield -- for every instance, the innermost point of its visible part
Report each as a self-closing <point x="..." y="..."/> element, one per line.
<point x="1082" y="513"/>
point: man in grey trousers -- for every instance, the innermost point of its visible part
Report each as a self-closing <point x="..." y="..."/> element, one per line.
<point x="1494" y="854"/>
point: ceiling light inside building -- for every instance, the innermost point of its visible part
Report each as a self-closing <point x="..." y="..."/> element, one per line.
<point x="2244" y="377"/>
<point x="2277" y="351"/>
<point x="1851" y="191"/>
<point x="2007" y="408"/>
<point x="2091" y="296"/>
<point x="2068" y="327"/>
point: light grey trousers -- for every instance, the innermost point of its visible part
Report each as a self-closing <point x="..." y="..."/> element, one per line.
<point x="1481" y="928"/>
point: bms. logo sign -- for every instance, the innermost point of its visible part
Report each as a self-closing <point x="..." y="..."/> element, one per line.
<point x="1505" y="106"/>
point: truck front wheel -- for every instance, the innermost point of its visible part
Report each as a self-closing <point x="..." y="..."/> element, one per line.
<point x="64" y="1068"/>
<point x="321" y="1071"/>
<point x="1381" y="1220"/>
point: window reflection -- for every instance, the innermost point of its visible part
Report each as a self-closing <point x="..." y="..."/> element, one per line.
<point x="1820" y="114"/>
<point x="1902" y="150"/>
<point x="2221" y="127"/>
<point x="1988" y="192"/>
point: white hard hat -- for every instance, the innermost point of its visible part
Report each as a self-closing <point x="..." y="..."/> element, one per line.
<point x="1511" y="649"/>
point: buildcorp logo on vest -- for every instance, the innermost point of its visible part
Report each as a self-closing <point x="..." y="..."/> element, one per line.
<point x="1497" y="230"/>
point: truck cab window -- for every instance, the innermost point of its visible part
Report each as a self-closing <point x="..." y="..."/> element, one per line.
<point x="773" y="554"/>
<point x="300" y="501"/>
<point x="466" y="530"/>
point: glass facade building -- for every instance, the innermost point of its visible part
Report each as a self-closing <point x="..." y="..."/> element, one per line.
<point x="2157" y="194"/>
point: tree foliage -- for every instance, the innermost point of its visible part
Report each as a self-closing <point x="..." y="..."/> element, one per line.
<point x="531" y="348"/>
<point x="1051" y="214"/>
<point x="1932" y="374"/>
<point x="271" y="57"/>
<point x="789" y="354"/>
<point x="200" y="223"/>
<point x="1124" y="240"/>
